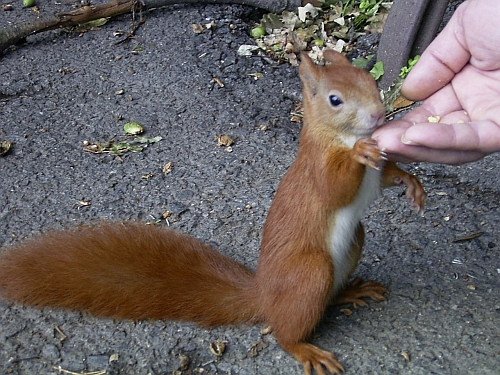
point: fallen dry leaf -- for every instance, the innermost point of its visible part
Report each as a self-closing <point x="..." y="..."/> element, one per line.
<point x="5" y="147"/>
<point x="257" y="346"/>
<point x="167" y="168"/>
<point x="346" y="312"/>
<point x="224" y="140"/>
<point x="468" y="237"/>
<point x="184" y="362"/>
<point x="197" y="28"/>
<point x="218" y="347"/>
<point x="401" y="102"/>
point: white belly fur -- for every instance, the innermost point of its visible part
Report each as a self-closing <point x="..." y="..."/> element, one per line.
<point x="344" y="225"/>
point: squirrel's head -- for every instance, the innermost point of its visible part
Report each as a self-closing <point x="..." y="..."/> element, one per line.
<point x="340" y="97"/>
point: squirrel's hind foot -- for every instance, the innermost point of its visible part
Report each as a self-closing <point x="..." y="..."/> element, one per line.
<point x="358" y="289"/>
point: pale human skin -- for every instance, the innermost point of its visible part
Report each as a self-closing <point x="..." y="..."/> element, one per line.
<point x="458" y="75"/>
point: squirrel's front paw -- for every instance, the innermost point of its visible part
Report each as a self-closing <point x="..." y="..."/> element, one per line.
<point x="366" y="152"/>
<point x="415" y="193"/>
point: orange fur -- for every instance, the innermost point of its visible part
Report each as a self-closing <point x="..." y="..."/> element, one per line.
<point x="138" y="271"/>
<point x="128" y="270"/>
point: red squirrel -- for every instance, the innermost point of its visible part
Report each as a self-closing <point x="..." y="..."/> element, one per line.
<point x="311" y="243"/>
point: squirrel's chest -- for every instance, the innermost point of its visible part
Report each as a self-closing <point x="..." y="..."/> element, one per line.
<point x="345" y="221"/>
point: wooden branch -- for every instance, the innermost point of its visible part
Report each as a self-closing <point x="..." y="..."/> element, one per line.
<point x="14" y="34"/>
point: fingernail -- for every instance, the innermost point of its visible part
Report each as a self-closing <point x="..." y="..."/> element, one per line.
<point x="409" y="143"/>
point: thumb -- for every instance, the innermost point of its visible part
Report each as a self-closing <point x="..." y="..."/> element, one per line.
<point x="439" y="63"/>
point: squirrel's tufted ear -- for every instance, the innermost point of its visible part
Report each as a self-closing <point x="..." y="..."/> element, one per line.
<point x="309" y="74"/>
<point x="334" y="57"/>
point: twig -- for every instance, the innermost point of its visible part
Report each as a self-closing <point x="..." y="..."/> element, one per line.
<point x="60" y="369"/>
<point x="135" y="26"/>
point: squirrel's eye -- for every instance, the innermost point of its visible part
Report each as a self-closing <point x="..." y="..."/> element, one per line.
<point x="335" y="101"/>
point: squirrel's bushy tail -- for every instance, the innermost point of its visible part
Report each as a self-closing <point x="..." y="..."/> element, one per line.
<point x="131" y="271"/>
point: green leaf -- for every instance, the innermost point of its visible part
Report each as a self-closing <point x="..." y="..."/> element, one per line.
<point x="135" y="148"/>
<point x="146" y="139"/>
<point x="369" y="7"/>
<point x="155" y="139"/>
<point x="98" y="22"/>
<point x="290" y="20"/>
<point x="133" y="128"/>
<point x="405" y="70"/>
<point x="360" y="62"/>
<point x="377" y="70"/>
<point x="91" y="25"/>
<point x="257" y="32"/>
<point x="270" y="22"/>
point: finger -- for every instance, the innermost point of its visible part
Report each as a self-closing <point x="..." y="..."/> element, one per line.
<point x="482" y="136"/>
<point x="398" y="151"/>
<point x="457" y="117"/>
<point x="439" y="63"/>
<point x="441" y="104"/>
<point x="389" y="135"/>
<point x="411" y="154"/>
<point x="389" y="139"/>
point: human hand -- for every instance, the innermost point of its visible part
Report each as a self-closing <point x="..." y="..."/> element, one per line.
<point x="459" y="76"/>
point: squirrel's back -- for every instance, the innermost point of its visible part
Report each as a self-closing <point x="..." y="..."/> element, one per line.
<point x="128" y="270"/>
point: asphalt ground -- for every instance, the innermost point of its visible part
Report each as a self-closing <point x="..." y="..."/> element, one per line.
<point x="61" y="89"/>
